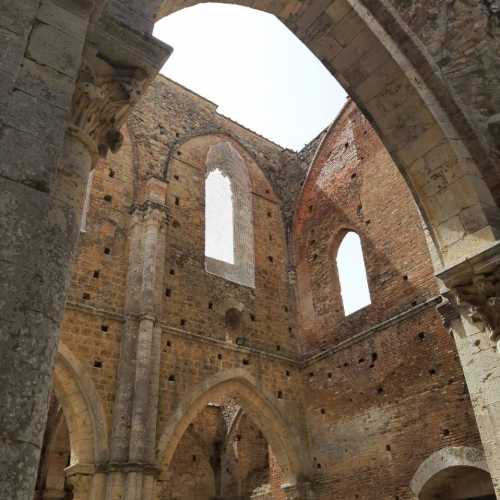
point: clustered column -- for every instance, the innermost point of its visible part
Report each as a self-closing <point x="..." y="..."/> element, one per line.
<point x="133" y="442"/>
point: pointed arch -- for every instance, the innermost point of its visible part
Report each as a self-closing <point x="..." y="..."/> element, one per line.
<point x="82" y="408"/>
<point x="283" y="438"/>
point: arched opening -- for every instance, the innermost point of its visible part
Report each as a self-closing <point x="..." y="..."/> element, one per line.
<point x="220" y="399"/>
<point x="391" y="77"/>
<point x="455" y="473"/>
<point x="352" y="275"/>
<point x="219" y="215"/>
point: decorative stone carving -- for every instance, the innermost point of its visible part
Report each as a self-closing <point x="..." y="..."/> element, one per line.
<point x="101" y="102"/>
<point x="474" y="290"/>
<point x="494" y="6"/>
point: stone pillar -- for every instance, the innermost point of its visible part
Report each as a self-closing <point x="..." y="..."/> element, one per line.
<point x="471" y="309"/>
<point x="133" y="441"/>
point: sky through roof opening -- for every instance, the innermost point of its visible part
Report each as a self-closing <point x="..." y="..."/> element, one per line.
<point x="254" y="68"/>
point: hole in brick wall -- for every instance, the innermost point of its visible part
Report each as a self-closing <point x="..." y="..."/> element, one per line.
<point x="313" y="242"/>
<point x="111" y="172"/>
<point x="269" y="214"/>
<point x="108" y="198"/>
<point x="267" y="191"/>
<point x="446" y="432"/>
<point x="405" y="277"/>
<point x="171" y="378"/>
<point x="270" y="237"/>
<point x="177" y="134"/>
<point x="179" y="153"/>
<point x="380" y="390"/>
<point x="96" y="274"/>
<point x="311" y="374"/>
<point x="477" y="343"/>
<point x="280" y="395"/>
<point x="182" y="322"/>
<point x="107" y="251"/>
<point x="176" y="223"/>
<point x="86" y="296"/>
<point x="310" y="208"/>
<point x="278" y="347"/>
<point x="315" y="256"/>
<point x="172" y="272"/>
<point x="246" y="362"/>
<point x="290" y="329"/>
<point x="104" y="328"/>
<point x="354" y="175"/>
<point x="368" y="221"/>
<point x="270" y="259"/>
<point x="97" y="364"/>
<point x="168" y="292"/>
<point x="238" y="437"/>
<point x="346" y="145"/>
<point x="285" y="308"/>
<point x="361" y="360"/>
<point x="414" y="303"/>
<point x="323" y="411"/>
<point x="219" y="356"/>
<point x="346" y="364"/>
<point x="252" y="317"/>
<point x="169" y="343"/>
<point x="287" y="373"/>
<point x="193" y="458"/>
<point x="177" y="201"/>
<point x="421" y="336"/>
<point x="374" y="356"/>
<point x="210" y="305"/>
<point x="227" y="469"/>
<point x="432" y="371"/>
<point x="330" y="374"/>
<point x="388" y="447"/>
<point x="318" y="466"/>
<point x="176" y="177"/>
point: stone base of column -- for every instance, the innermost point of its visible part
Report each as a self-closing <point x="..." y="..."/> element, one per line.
<point x="298" y="491"/>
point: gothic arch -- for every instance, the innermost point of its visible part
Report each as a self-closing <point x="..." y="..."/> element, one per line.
<point x="447" y="458"/>
<point x="83" y="411"/>
<point x="281" y="436"/>
<point x="393" y="79"/>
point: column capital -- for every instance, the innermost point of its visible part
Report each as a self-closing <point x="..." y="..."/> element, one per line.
<point x="80" y="477"/>
<point x="103" y="97"/>
<point x="299" y="491"/>
<point x="473" y="289"/>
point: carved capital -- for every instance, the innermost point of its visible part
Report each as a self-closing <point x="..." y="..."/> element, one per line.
<point x="474" y="290"/>
<point x="103" y="97"/>
<point x="494" y="6"/>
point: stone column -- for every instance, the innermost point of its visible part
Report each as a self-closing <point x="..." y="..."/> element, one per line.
<point x="133" y="442"/>
<point x="471" y="309"/>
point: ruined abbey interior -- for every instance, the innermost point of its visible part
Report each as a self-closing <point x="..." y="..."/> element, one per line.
<point x="135" y="365"/>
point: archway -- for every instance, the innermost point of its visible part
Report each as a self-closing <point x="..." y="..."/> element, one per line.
<point x="412" y="108"/>
<point x="282" y="437"/>
<point x="455" y="473"/>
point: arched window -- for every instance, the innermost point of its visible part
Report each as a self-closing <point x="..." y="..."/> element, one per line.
<point x="229" y="237"/>
<point x="219" y="225"/>
<point x="352" y="274"/>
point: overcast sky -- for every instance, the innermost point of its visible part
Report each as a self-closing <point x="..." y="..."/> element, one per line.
<point x="254" y="68"/>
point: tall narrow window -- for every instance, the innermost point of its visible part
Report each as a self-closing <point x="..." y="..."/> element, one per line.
<point x="352" y="274"/>
<point x="219" y="214"/>
<point x="86" y="202"/>
<point x="229" y="237"/>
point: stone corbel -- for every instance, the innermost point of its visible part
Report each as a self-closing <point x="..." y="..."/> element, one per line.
<point x="103" y="97"/>
<point x="474" y="291"/>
